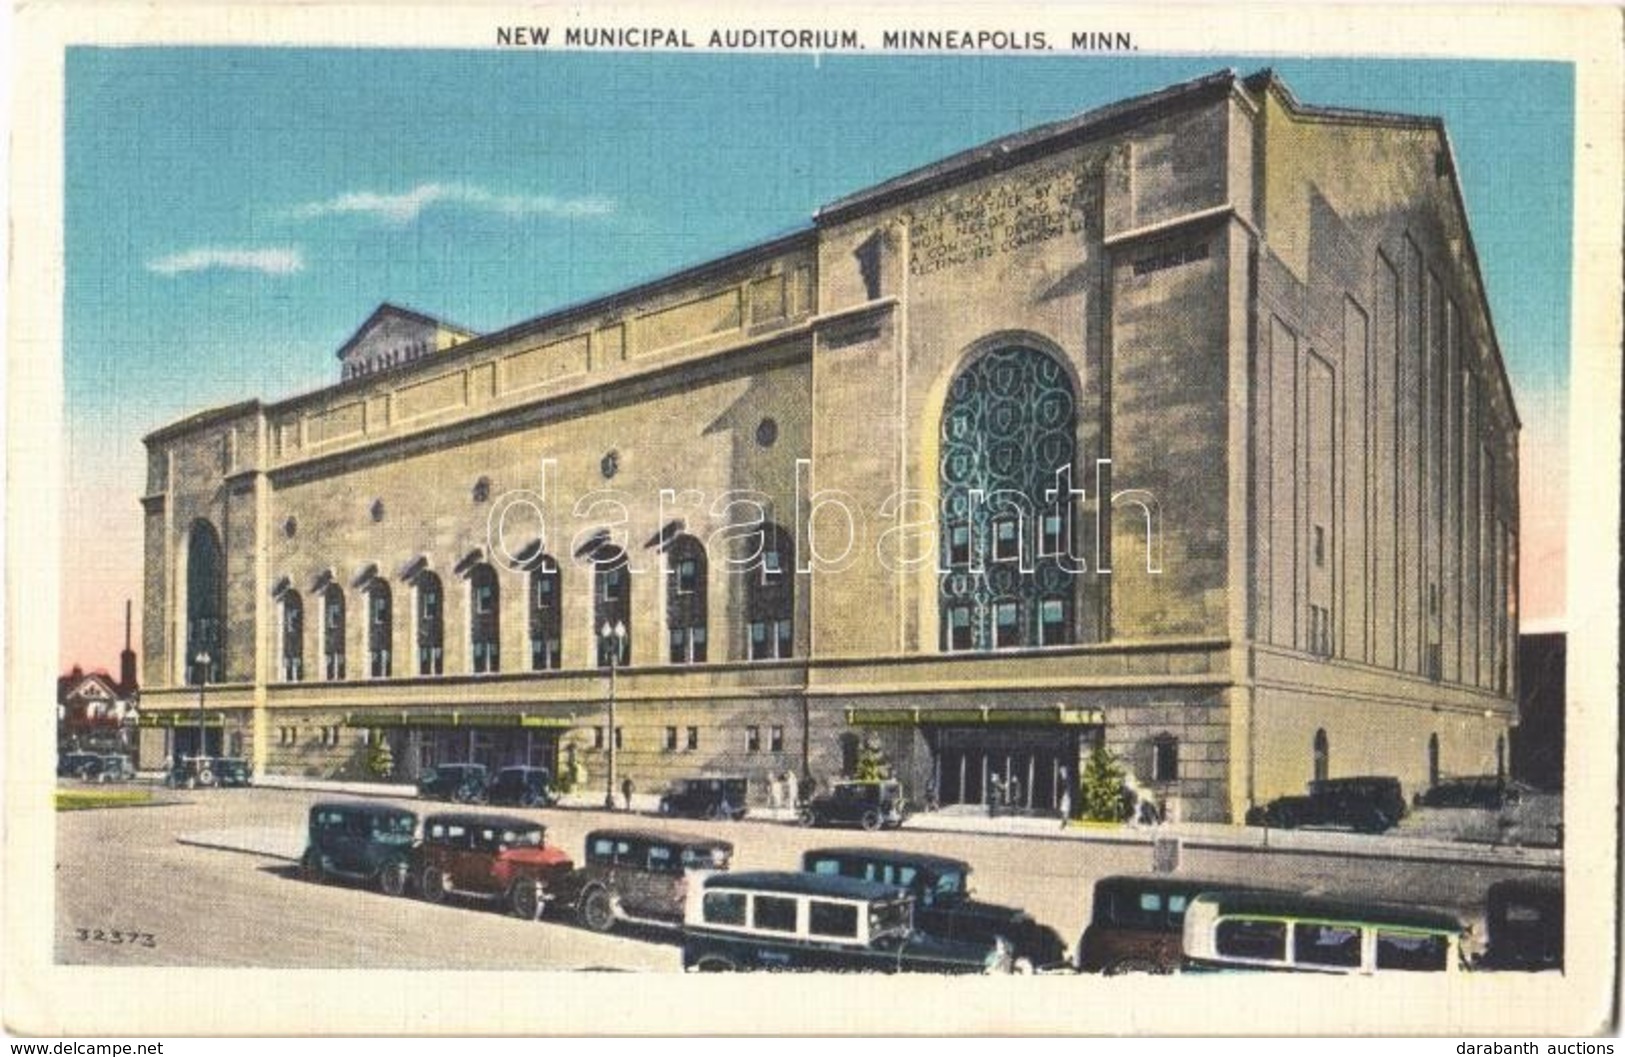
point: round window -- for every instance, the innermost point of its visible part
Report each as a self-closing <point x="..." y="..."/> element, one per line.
<point x="378" y="510"/>
<point x="610" y="464"/>
<point x="290" y="526"/>
<point x="482" y="489"/>
<point x="767" y="432"/>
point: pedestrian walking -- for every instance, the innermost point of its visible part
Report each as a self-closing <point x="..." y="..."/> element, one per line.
<point x="626" y="791"/>
<point x="792" y="794"/>
<point x="775" y="792"/>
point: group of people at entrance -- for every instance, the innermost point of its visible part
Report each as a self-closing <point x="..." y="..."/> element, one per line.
<point x="783" y="790"/>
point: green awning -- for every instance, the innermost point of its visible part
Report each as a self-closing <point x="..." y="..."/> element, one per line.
<point x="509" y="720"/>
<point x="912" y="717"/>
<point x="180" y="719"/>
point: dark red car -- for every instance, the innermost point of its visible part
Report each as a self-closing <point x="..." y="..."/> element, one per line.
<point x="497" y="858"/>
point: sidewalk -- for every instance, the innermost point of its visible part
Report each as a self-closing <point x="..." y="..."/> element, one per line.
<point x="971" y="819"/>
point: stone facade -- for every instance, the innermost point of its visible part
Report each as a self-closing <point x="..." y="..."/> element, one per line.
<point x="1259" y="331"/>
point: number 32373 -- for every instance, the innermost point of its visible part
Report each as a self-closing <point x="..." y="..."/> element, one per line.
<point x="117" y="937"/>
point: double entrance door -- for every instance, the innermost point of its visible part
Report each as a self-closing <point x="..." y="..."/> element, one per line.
<point x="1020" y="768"/>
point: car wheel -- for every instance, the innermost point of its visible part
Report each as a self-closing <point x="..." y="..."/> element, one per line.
<point x="598" y="910"/>
<point x="871" y="820"/>
<point x="530" y="799"/>
<point x="665" y="806"/>
<point x="433" y="885"/>
<point x="205" y="777"/>
<point x="526" y="899"/>
<point x="1124" y="966"/>
<point x="392" y="879"/>
<point x="312" y="868"/>
<point x="806" y="817"/>
<point x="715" y="963"/>
<point x="1022" y="967"/>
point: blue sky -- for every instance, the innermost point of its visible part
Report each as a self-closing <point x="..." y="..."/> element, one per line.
<point x="232" y="215"/>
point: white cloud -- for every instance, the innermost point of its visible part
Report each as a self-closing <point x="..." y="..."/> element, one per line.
<point x="408" y="206"/>
<point x="271" y="261"/>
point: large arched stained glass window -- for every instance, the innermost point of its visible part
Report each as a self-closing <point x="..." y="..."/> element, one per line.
<point x="1010" y="423"/>
<point x="770" y="595"/>
<point x="205" y="604"/>
<point x="686" y="600"/>
<point x="485" y="619"/>
<point x="431" y="615"/>
<point x="380" y="630"/>
<point x="293" y="637"/>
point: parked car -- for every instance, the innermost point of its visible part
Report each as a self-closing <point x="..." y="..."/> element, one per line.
<point x="1278" y="932"/>
<point x="641" y="876"/>
<point x="190" y="773"/>
<point x="232" y="771"/>
<point x="464" y="783"/>
<point x="522" y="786"/>
<point x="497" y="858"/>
<point x="715" y="798"/>
<point x="943" y="902"/>
<point x="109" y="767"/>
<point x="360" y="842"/>
<point x="1481" y="791"/>
<point x="1367" y="804"/>
<point x="867" y="804"/>
<point x="73" y="764"/>
<point x="1523" y="923"/>
<point x="804" y="921"/>
<point x="1136" y="924"/>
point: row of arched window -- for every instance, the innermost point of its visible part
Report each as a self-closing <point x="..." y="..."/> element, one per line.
<point x="768" y="631"/>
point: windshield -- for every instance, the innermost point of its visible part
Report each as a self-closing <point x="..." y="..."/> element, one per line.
<point x="393" y="829"/>
<point x="891" y="918"/>
<point x="951" y="884"/>
<point x="523" y="838"/>
<point x="705" y="858"/>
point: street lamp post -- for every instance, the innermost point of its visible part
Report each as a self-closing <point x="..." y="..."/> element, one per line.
<point x="202" y="660"/>
<point x="614" y="637"/>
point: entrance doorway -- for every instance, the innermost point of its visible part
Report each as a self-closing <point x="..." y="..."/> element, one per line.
<point x="1023" y="768"/>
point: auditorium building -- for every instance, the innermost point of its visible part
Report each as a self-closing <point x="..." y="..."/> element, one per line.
<point x="1179" y="426"/>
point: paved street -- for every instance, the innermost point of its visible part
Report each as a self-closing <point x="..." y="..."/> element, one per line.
<point x="125" y="870"/>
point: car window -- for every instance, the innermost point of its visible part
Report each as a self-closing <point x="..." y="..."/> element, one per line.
<point x="773" y="913"/>
<point x="1318" y="943"/>
<point x="724" y="908"/>
<point x="832" y="919"/>
<point x="827" y="867"/>
<point x="661" y="858"/>
<point x="623" y="852"/>
<point x="950" y="883"/>
<point x="1150" y="903"/>
<point x="1411" y="952"/>
<point x="705" y="858"/>
<point x="1247" y="938"/>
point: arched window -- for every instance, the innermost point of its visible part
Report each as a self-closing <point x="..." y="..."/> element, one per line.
<point x="1323" y="756"/>
<point x="545" y="617"/>
<point x="205" y="604"/>
<point x="333" y="631"/>
<point x="1009" y="424"/>
<point x="293" y="637"/>
<point x="612" y="604"/>
<point x="686" y="570"/>
<point x="770" y="595"/>
<point x="484" y="619"/>
<point x="431" y="606"/>
<point x="380" y="630"/>
<point x="1165" y="758"/>
<point x="1433" y="759"/>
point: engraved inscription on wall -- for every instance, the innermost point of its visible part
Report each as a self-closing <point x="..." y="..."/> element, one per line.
<point x="1004" y="214"/>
